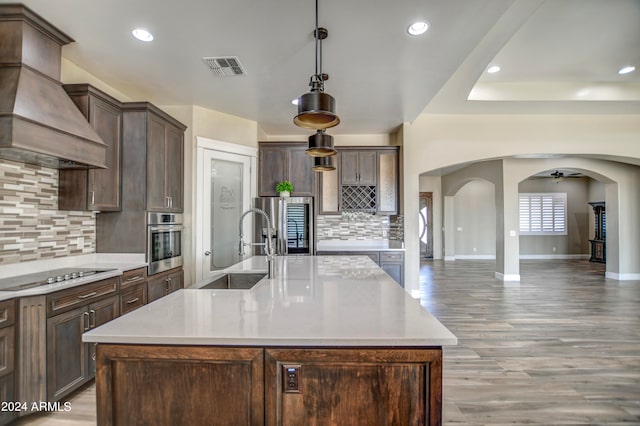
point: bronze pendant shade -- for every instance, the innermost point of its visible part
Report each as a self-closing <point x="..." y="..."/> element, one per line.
<point x="316" y="110"/>
<point x="321" y="145"/>
<point x="323" y="164"/>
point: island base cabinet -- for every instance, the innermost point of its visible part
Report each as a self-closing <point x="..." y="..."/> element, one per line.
<point x="353" y="386"/>
<point x="170" y="385"/>
<point x="160" y="385"/>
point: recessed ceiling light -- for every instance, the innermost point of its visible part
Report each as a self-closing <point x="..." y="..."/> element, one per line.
<point x="493" y="69"/>
<point x="142" y="35"/>
<point x="627" y="69"/>
<point x="418" y="28"/>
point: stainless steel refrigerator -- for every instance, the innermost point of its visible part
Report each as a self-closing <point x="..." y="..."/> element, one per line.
<point x="292" y="218"/>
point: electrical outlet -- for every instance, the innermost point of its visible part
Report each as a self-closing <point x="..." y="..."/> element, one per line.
<point x="291" y="378"/>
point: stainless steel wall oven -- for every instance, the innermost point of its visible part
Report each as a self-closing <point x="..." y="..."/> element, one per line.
<point x="164" y="241"/>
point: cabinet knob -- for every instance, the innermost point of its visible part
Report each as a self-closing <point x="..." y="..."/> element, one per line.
<point x="207" y="253"/>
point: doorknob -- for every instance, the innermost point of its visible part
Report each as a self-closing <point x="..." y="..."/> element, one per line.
<point x="207" y="253"/>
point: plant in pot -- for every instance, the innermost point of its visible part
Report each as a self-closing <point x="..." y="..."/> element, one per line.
<point x="284" y="188"/>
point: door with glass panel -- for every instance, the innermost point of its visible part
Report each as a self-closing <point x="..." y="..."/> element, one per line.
<point x="425" y="226"/>
<point x="226" y="195"/>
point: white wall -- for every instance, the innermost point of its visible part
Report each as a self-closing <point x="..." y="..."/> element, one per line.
<point x="435" y="141"/>
<point x="474" y="221"/>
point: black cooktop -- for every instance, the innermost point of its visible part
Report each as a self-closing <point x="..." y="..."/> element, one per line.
<point x="22" y="282"/>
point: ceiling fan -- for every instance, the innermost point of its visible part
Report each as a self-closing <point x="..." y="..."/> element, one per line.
<point x="558" y="176"/>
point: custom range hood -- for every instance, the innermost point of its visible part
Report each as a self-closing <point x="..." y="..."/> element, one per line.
<point x="39" y="123"/>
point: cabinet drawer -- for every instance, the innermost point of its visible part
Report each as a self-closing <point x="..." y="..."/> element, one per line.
<point x="133" y="277"/>
<point x="64" y="300"/>
<point x="7" y="313"/>
<point x="134" y="297"/>
<point x="392" y="256"/>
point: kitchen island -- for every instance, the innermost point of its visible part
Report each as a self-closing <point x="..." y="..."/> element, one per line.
<point x="329" y="340"/>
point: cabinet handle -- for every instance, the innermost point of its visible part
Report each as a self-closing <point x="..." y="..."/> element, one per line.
<point x="93" y="293"/>
<point x="92" y="318"/>
<point x="4" y="316"/>
<point x="85" y="318"/>
<point x="93" y="198"/>
<point x="128" y="302"/>
<point x="170" y="202"/>
<point x="137" y="277"/>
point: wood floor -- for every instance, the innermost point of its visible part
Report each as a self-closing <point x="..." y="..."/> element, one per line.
<point x="560" y="347"/>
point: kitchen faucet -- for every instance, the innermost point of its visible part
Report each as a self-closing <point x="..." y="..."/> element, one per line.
<point x="267" y="244"/>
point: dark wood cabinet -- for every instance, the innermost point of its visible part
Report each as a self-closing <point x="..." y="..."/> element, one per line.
<point x="95" y="189"/>
<point x="278" y="161"/>
<point x="358" y="167"/>
<point x="328" y="190"/>
<point x="133" y="290"/>
<point x="69" y="360"/>
<point x="165" y="159"/>
<point x="388" y="187"/>
<point x="367" y="179"/>
<point x="353" y="386"/>
<point x="166" y="385"/>
<point x="7" y="357"/>
<point x="152" y="177"/>
<point x="190" y="385"/>
<point x="160" y="285"/>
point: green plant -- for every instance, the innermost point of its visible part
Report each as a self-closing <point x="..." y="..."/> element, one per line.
<point x="285" y="185"/>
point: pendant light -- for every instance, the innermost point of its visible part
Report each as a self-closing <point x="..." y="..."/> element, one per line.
<point x="323" y="164"/>
<point x="316" y="109"/>
<point x="321" y="145"/>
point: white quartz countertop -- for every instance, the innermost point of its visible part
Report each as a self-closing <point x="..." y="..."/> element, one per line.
<point x="313" y="301"/>
<point x="359" y="245"/>
<point x="116" y="262"/>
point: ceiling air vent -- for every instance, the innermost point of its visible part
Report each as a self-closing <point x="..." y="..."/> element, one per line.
<point x="228" y="66"/>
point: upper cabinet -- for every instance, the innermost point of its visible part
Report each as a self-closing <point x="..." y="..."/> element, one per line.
<point x="165" y="159"/>
<point x="95" y="189"/>
<point x="150" y="132"/>
<point x="278" y="161"/>
<point x="366" y="180"/>
<point x="358" y="167"/>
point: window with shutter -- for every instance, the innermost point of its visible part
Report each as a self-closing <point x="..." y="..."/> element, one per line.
<point x="543" y="214"/>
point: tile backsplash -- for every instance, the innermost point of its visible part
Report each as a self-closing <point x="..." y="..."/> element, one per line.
<point x="31" y="226"/>
<point x="360" y="226"/>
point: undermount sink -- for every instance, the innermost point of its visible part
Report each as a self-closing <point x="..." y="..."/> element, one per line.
<point x="235" y="281"/>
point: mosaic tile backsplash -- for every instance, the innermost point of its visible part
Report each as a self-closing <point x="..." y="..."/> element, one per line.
<point x="360" y="226"/>
<point x="31" y="226"/>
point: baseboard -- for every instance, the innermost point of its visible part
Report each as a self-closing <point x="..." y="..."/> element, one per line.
<point x="622" y="277"/>
<point x="475" y="256"/>
<point x="449" y="258"/>
<point x="507" y="277"/>
<point x="553" y="256"/>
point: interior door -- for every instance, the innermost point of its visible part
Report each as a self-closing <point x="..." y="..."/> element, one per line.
<point x="226" y="195"/>
<point x="425" y="226"/>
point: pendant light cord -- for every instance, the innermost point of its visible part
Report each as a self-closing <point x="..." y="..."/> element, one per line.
<point x="318" y="51"/>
